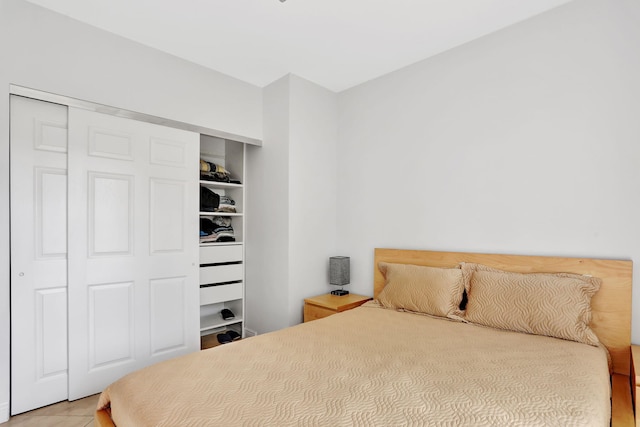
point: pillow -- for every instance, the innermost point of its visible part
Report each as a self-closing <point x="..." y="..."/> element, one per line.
<point x="421" y="289"/>
<point x="550" y="304"/>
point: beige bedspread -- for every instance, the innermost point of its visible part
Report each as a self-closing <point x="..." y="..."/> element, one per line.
<point x="371" y="366"/>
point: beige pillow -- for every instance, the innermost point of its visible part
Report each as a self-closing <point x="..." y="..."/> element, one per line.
<point x="421" y="289"/>
<point x="551" y="304"/>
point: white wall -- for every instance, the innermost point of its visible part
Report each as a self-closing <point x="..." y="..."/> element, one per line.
<point x="312" y="191"/>
<point x="267" y="220"/>
<point x="291" y="212"/>
<point x="47" y="51"/>
<point x="525" y="141"/>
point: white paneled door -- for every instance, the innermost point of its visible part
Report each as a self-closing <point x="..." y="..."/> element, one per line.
<point x="104" y="249"/>
<point x="133" y="242"/>
<point x="38" y="253"/>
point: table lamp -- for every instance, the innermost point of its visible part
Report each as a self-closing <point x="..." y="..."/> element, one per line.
<point x="339" y="274"/>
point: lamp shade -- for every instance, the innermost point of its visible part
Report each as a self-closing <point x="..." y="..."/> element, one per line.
<point x="339" y="274"/>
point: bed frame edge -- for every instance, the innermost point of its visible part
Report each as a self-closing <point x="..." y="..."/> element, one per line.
<point x="102" y="418"/>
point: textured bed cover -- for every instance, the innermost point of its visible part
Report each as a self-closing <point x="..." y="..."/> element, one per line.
<point x="371" y="366"/>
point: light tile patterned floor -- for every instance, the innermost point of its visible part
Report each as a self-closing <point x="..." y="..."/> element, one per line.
<point x="78" y="413"/>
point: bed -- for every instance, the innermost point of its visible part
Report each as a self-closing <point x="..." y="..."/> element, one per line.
<point x="375" y="365"/>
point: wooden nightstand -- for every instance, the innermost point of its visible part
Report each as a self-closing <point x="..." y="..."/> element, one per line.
<point x="327" y="304"/>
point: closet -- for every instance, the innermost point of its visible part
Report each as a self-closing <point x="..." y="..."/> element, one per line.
<point x="104" y="249"/>
<point x="222" y="259"/>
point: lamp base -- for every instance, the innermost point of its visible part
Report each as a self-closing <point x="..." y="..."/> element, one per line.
<point x="340" y="292"/>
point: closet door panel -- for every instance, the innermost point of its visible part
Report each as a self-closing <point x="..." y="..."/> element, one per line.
<point x="111" y="210"/>
<point x="110" y="143"/>
<point x="166" y="152"/>
<point x="167" y="212"/>
<point x="51" y="332"/>
<point x="38" y="253"/>
<point x="169" y="321"/>
<point x="133" y="255"/>
<point x="111" y="331"/>
<point x="51" y="215"/>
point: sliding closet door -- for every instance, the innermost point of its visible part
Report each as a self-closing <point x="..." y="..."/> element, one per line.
<point x="133" y="241"/>
<point x="38" y="253"/>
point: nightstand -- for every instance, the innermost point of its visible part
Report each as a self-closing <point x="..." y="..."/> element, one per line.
<point x="327" y="304"/>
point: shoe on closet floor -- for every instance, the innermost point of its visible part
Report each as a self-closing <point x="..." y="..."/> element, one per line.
<point x="224" y="338"/>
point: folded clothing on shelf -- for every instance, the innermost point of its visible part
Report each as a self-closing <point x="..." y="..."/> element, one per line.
<point x="226" y="204"/>
<point x="213" y="172"/>
<point x="214" y="176"/>
<point x="212" y="167"/>
<point x="210" y="201"/>
<point x="216" y="229"/>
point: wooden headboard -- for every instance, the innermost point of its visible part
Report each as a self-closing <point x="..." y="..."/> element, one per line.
<point x="611" y="306"/>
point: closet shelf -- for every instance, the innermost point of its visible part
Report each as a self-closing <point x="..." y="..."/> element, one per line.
<point x="220" y="214"/>
<point x="220" y="243"/>
<point x="214" y="321"/>
<point x="216" y="184"/>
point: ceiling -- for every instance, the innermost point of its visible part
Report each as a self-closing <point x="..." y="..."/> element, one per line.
<point x="334" y="43"/>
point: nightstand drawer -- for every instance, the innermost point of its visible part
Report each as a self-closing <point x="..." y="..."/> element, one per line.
<point x="313" y="312"/>
<point x="325" y="305"/>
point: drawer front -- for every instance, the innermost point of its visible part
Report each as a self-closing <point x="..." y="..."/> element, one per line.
<point x="221" y="273"/>
<point x="313" y="312"/>
<point x="217" y="254"/>
<point x="221" y="293"/>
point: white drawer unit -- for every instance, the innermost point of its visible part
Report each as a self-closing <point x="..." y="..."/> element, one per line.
<point x="220" y="293"/>
<point x="218" y="254"/>
<point x="221" y="273"/>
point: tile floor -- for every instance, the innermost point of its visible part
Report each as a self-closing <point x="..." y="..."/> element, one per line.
<point x="78" y="413"/>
